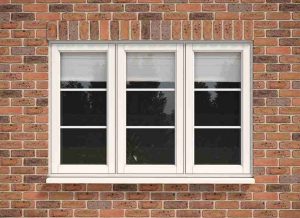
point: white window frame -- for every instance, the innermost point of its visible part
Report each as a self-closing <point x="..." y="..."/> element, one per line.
<point x="122" y="49"/>
<point x="116" y="170"/>
<point x="244" y="169"/>
<point x="55" y="153"/>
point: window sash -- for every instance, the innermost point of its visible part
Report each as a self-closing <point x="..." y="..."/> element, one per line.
<point x="122" y="167"/>
<point x="55" y="152"/>
<point x="246" y="112"/>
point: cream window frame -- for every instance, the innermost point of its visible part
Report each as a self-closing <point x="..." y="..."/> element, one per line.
<point x="184" y="170"/>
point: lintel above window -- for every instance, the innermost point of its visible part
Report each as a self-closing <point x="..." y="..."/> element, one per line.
<point x="154" y="112"/>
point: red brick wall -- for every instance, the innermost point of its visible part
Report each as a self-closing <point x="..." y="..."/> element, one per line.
<point x="273" y="25"/>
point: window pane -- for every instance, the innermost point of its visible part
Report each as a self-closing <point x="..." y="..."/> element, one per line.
<point x="217" y="146"/>
<point x="83" y="146"/>
<point x="83" y="108"/>
<point x="150" y="146"/>
<point x="146" y="108"/>
<point x="83" y="70"/>
<point x="150" y="70"/>
<point x="217" y="108"/>
<point x="217" y="69"/>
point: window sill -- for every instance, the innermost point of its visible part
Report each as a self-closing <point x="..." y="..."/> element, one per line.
<point x="151" y="180"/>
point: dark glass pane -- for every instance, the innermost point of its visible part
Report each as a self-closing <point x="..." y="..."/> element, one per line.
<point x="217" y="146"/>
<point x="83" y="146"/>
<point x="148" y="108"/>
<point x="150" y="146"/>
<point x="217" y="108"/>
<point x="221" y="85"/>
<point x="81" y="84"/>
<point x="83" y="108"/>
<point x="150" y="84"/>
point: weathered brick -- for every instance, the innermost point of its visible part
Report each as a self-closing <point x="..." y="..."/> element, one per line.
<point x="60" y="8"/>
<point x="150" y="16"/>
<point x="201" y="16"/>
<point x="10" y="8"/>
<point x="22" y="16"/>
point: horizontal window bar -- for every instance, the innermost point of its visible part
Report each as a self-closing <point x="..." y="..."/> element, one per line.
<point x="150" y="127"/>
<point x="85" y="89"/>
<point x="83" y="127"/>
<point x="217" y="127"/>
<point x="217" y="89"/>
<point x="150" y="89"/>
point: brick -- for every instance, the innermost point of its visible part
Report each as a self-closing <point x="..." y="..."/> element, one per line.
<point x="188" y="213"/>
<point x="201" y="16"/>
<point x="150" y="205"/>
<point x="277" y="188"/>
<point x="176" y="16"/>
<point x="86" y="195"/>
<point x="10" y="8"/>
<point x="289" y="42"/>
<point x="34" y="179"/>
<point x="162" y="213"/>
<point x="289" y="7"/>
<point x="111" y="213"/>
<point x="162" y="7"/>
<point x="10" y="213"/>
<point x="150" y="187"/>
<point x="137" y="7"/>
<point x="150" y="16"/>
<point x="124" y="187"/>
<point x="22" y="16"/>
<point x="60" y="8"/>
<point x="239" y="7"/>
<point x="214" y="213"/>
<point x="175" y="204"/>
<point x="114" y="30"/>
<point x="98" y="205"/>
<point x="111" y="196"/>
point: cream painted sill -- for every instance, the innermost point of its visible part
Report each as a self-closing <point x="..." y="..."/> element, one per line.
<point x="152" y="180"/>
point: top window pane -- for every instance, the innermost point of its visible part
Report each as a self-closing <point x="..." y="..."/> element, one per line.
<point x="217" y="70"/>
<point x="150" y="70"/>
<point x="83" y="70"/>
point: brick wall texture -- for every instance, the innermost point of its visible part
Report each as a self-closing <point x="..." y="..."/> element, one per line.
<point x="27" y="25"/>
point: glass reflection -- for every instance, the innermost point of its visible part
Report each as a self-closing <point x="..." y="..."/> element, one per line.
<point x="83" y="108"/>
<point x="150" y="146"/>
<point x="150" y="108"/>
<point x="83" y="146"/>
<point x="82" y="84"/>
<point x="215" y="85"/>
<point x="150" y="84"/>
<point x="217" y="146"/>
<point x="217" y="108"/>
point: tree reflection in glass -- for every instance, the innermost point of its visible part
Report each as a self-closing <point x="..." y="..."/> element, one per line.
<point x="150" y="108"/>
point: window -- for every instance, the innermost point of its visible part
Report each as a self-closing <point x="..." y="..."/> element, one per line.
<point x="150" y="112"/>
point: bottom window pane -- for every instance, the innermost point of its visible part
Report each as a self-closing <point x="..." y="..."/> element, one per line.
<point x="150" y="146"/>
<point x="217" y="146"/>
<point x="83" y="146"/>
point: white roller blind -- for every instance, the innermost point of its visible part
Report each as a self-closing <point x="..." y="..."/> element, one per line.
<point x="217" y="67"/>
<point x="151" y="66"/>
<point x="83" y="66"/>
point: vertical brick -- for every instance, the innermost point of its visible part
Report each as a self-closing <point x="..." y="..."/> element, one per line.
<point x="166" y="30"/>
<point x="73" y="30"/>
<point x="94" y="28"/>
<point x="84" y="30"/>
<point x="63" y="30"/>
<point x="145" y="29"/>
<point x="155" y="30"/>
<point x="114" y="30"/>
